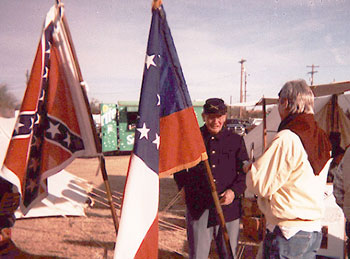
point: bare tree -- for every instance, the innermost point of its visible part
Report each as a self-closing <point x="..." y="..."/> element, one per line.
<point x="95" y="106"/>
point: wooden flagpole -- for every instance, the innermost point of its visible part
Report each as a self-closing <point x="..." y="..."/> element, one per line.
<point x="218" y="207"/>
<point x="97" y="141"/>
<point x="264" y="125"/>
<point x="156" y="4"/>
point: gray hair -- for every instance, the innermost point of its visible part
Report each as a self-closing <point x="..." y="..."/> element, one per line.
<point x="299" y="96"/>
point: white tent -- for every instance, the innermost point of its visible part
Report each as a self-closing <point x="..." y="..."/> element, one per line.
<point x="323" y="115"/>
<point x="66" y="196"/>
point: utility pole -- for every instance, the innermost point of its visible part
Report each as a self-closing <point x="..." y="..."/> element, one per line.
<point x="312" y="73"/>
<point x="230" y="113"/>
<point x="241" y="88"/>
<point x="245" y="86"/>
<point x="242" y="71"/>
<point x="27" y="76"/>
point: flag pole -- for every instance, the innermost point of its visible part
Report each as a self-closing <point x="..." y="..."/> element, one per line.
<point x="97" y="141"/>
<point x="155" y="5"/>
<point x="218" y="207"/>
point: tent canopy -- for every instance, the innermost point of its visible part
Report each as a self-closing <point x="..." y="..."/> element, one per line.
<point x="325" y="114"/>
<point x="330" y="89"/>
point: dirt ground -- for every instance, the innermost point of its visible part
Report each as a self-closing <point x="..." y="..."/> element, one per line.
<point x="94" y="236"/>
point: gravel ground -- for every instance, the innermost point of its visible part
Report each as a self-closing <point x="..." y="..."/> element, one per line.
<point x="93" y="236"/>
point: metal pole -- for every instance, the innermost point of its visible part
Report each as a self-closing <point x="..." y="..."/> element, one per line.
<point x="241" y="86"/>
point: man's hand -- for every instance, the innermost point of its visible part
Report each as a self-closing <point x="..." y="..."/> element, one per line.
<point x="247" y="166"/>
<point x="227" y="197"/>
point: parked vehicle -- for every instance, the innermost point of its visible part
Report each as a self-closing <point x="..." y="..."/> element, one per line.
<point x="237" y="128"/>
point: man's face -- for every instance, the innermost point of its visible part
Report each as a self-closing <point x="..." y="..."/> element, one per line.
<point x="214" y="122"/>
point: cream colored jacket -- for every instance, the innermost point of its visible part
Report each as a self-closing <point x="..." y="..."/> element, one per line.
<point x="289" y="194"/>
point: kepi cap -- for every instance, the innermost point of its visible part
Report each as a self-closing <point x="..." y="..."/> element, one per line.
<point x="215" y="106"/>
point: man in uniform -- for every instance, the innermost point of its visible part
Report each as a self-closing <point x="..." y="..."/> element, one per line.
<point x="227" y="153"/>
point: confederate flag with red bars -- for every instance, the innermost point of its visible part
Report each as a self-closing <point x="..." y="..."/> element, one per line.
<point x="167" y="140"/>
<point x="54" y="123"/>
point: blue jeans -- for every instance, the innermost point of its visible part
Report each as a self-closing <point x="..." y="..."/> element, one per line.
<point x="303" y="245"/>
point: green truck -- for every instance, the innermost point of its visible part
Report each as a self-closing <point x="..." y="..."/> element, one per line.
<point x="118" y="123"/>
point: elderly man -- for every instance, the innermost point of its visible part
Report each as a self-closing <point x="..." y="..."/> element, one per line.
<point x="290" y="177"/>
<point x="227" y="153"/>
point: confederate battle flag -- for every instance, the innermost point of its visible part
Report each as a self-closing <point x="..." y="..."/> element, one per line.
<point x="54" y="123"/>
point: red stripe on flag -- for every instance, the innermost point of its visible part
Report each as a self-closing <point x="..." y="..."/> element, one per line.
<point x="53" y="157"/>
<point x="60" y="102"/>
<point x="148" y="249"/>
<point x="181" y="143"/>
<point x="29" y="103"/>
<point x="138" y="228"/>
<point x="16" y="153"/>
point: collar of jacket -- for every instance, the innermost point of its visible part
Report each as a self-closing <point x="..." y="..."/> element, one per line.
<point x="206" y="134"/>
<point x="314" y="139"/>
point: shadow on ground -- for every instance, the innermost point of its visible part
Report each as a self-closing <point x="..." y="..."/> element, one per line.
<point x="11" y="251"/>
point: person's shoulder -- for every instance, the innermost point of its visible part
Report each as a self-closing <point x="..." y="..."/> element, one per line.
<point x="286" y="133"/>
<point x="230" y="138"/>
<point x="231" y="133"/>
<point x="287" y="136"/>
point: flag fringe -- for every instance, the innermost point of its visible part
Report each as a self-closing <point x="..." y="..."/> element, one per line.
<point x="193" y="163"/>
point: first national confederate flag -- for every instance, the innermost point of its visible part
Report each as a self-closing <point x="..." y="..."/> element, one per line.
<point x="167" y="140"/>
<point x="53" y="126"/>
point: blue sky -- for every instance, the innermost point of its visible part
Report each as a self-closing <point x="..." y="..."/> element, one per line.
<point x="279" y="40"/>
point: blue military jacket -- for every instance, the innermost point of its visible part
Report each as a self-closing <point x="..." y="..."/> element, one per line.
<point x="227" y="152"/>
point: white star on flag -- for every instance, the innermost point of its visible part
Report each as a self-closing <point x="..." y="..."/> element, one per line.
<point x="157" y="141"/>
<point x="67" y="140"/>
<point x="49" y="47"/>
<point x="31" y="185"/>
<point x="158" y="96"/>
<point x="31" y="122"/>
<point x="34" y="163"/>
<point x="144" y="131"/>
<point x="54" y="130"/>
<point x="18" y="125"/>
<point x="150" y="61"/>
<point x="37" y="121"/>
<point x="45" y="72"/>
<point x="42" y="96"/>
